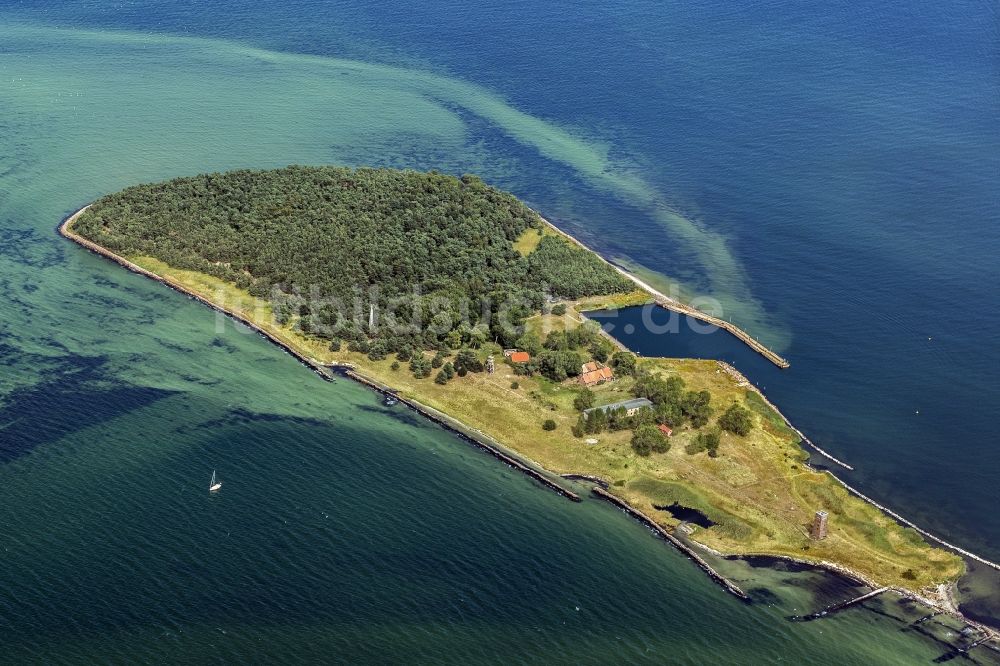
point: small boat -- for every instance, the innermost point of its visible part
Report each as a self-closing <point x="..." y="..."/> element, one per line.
<point x="214" y="485"/>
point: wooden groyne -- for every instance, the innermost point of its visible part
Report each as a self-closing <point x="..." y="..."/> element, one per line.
<point x="726" y="584"/>
<point x="974" y="644"/>
<point x="830" y="610"/>
<point x="586" y="477"/>
<point x="476" y="437"/>
<point x="668" y="303"/>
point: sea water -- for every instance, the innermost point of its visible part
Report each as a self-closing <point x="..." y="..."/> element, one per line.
<point x="826" y="172"/>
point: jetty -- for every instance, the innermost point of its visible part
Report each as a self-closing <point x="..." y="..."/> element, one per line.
<point x="659" y="530"/>
<point x="830" y="610"/>
<point x="674" y="305"/>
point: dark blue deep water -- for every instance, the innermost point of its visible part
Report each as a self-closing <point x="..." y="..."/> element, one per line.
<point x="827" y="171"/>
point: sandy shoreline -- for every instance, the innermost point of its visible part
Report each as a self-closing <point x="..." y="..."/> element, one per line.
<point x="941" y="602"/>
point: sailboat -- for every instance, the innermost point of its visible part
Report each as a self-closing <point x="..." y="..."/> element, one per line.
<point x="214" y="485"/>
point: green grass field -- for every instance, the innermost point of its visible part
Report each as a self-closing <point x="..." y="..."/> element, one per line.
<point x="530" y="239"/>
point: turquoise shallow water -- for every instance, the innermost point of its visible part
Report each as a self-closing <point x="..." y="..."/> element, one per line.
<point x="345" y="531"/>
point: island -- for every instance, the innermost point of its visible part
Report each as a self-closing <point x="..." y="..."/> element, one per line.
<point x="458" y="299"/>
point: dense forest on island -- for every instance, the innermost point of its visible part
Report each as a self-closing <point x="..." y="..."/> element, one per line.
<point x="432" y="254"/>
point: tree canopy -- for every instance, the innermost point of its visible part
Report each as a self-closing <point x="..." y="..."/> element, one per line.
<point x="736" y="420"/>
<point x="329" y="244"/>
<point x="647" y="439"/>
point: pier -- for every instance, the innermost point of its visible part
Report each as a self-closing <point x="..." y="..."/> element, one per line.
<point x="676" y="306"/>
<point x="830" y="610"/>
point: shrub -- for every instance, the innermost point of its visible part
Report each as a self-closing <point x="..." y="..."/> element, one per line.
<point x="420" y="366"/>
<point x="660" y="444"/>
<point x="572" y="272"/>
<point x="530" y="343"/>
<point x="696" y="405"/>
<point x="583" y="400"/>
<point x="394" y="366"/>
<point x="559" y="309"/>
<point x="599" y="350"/>
<point x="737" y="421"/>
<point x="515" y="385"/>
<point x="549" y="425"/>
<point x="704" y="441"/>
<point x="648" y="439"/>
<point x="558" y="365"/>
<point x="624" y="362"/>
<point x="377" y="351"/>
<point x="468" y="360"/>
